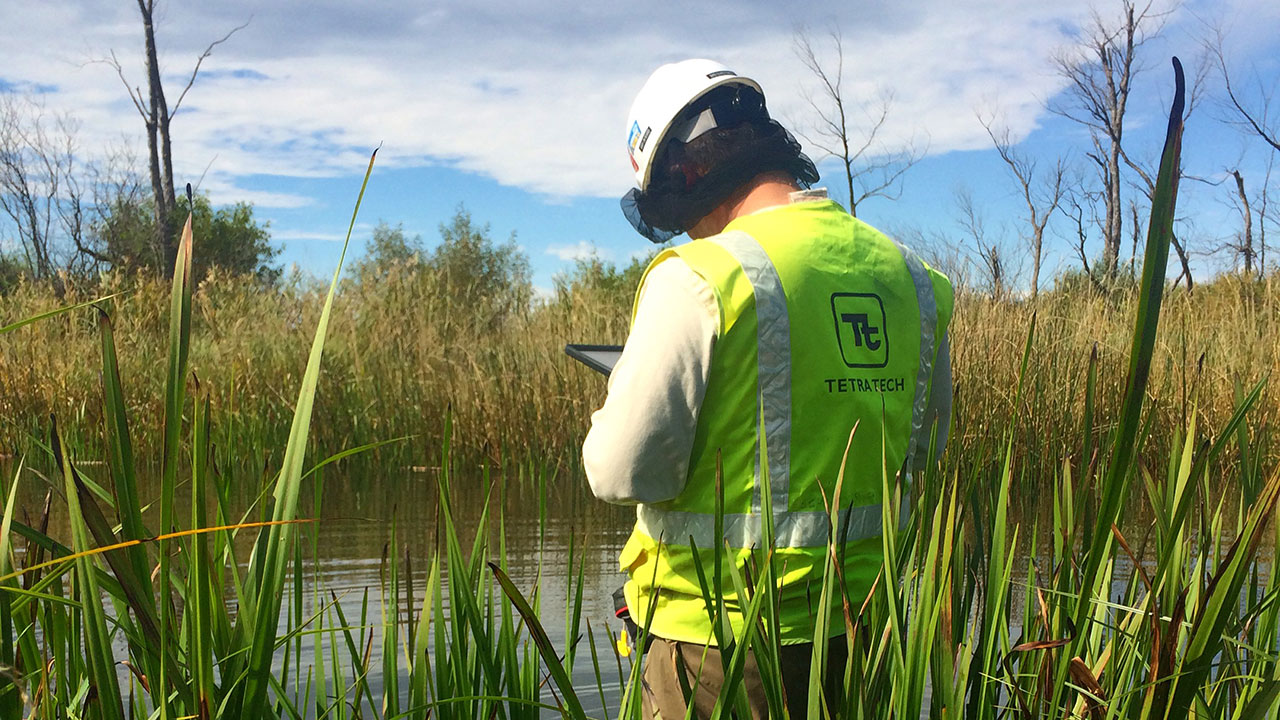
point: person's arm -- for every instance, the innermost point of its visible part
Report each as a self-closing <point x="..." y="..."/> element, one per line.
<point x="939" y="408"/>
<point x="638" y="448"/>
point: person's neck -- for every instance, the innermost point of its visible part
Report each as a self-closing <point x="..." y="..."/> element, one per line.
<point x="765" y="190"/>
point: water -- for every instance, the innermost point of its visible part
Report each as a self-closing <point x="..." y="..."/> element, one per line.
<point x="359" y="513"/>
<point x="357" y="521"/>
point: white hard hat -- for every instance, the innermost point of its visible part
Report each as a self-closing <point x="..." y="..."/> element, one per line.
<point x="669" y="90"/>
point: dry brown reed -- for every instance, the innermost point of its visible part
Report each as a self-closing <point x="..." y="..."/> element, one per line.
<point x="401" y="353"/>
<point x="1214" y="345"/>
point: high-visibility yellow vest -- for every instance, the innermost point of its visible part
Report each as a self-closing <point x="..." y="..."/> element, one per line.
<point x="824" y="323"/>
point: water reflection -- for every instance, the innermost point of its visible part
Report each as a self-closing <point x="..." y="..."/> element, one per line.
<point x="358" y="516"/>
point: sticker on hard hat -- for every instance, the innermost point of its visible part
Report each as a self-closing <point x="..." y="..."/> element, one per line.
<point x="636" y="141"/>
<point x="719" y="73"/>
<point x="633" y="138"/>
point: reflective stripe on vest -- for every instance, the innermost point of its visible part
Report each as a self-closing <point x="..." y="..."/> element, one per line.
<point x="928" y="319"/>
<point x="773" y="373"/>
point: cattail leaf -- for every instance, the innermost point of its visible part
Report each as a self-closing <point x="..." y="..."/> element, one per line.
<point x="266" y="579"/>
<point x="572" y="707"/>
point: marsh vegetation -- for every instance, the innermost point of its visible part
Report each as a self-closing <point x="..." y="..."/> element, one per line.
<point x="1096" y="542"/>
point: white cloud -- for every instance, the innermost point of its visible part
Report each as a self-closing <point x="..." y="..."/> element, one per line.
<point x="531" y="94"/>
<point x="222" y="190"/>
<point x="582" y="250"/>
<point x="292" y="235"/>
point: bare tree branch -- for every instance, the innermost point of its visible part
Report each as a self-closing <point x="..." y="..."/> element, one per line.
<point x="207" y="52"/>
<point x="1041" y="195"/>
<point x="870" y="170"/>
<point x="114" y="62"/>
<point x="1258" y="121"/>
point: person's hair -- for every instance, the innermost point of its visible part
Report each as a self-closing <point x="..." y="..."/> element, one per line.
<point x="694" y="178"/>
<point x="695" y="159"/>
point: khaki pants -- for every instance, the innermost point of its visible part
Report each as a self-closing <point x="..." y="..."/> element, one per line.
<point x="664" y="694"/>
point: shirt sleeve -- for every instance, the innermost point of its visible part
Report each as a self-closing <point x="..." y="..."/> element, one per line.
<point x="939" y="408"/>
<point x="638" y="447"/>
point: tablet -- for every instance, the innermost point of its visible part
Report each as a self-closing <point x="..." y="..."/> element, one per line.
<point x="600" y="358"/>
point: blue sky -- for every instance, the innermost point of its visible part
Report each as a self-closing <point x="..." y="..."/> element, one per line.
<point x="517" y="110"/>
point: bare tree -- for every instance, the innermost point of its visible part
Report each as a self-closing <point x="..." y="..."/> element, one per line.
<point x="62" y="209"/>
<point x="1243" y="245"/>
<point x="993" y="258"/>
<point x="1255" y="118"/>
<point x="1041" y="193"/>
<point x="157" y="116"/>
<point x="1079" y="204"/>
<point x="870" y="169"/>
<point x="38" y="191"/>
<point x="1099" y="74"/>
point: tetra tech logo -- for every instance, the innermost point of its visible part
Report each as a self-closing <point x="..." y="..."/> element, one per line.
<point x="861" y="329"/>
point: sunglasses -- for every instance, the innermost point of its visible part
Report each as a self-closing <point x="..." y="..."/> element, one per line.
<point x="723" y="107"/>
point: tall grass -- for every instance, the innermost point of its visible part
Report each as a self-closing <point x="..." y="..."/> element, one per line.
<point x="980" y="612"/>
<point x="394" y="364"/>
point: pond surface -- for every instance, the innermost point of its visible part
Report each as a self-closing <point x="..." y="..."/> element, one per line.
<point x="360" y="513"/>
<point x="357" y="518"/>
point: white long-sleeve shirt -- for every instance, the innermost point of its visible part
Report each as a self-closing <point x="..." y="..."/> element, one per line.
<point x="640" y="441"/>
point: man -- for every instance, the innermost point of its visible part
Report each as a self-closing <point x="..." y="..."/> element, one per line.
<point x="754" y="351"/>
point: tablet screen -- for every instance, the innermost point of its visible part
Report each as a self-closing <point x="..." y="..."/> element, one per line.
<point x="600" y="358"/>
